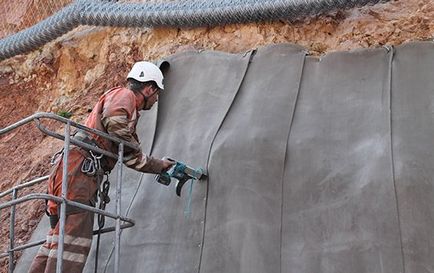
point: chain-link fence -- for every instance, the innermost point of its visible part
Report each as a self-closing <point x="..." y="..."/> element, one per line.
<point x="184" y="13"/>
<point x="16" y="15"/>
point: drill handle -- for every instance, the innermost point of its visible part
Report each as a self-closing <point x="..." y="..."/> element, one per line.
<point x="179" y="185"/>
<point x="163" y="178"/>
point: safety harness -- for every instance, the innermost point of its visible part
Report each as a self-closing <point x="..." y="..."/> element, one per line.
<point x="92" y="166"/>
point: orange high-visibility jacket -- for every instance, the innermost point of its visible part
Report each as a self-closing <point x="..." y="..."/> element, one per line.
<point x="116" y="113"/>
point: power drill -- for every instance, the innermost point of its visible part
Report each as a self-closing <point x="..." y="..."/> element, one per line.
<point x="182" y="173"/>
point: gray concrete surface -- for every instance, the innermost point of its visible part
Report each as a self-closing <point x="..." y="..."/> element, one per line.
<point x="315" y="165"/>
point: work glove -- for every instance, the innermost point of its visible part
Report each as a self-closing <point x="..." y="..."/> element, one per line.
<point x="166" y="164"/>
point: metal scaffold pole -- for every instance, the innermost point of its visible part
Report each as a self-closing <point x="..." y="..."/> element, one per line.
<point x="118" y="206"/>
<point x="59" y="265"/>
<point x="12" y="234"/>
<point x="121" y="222"/>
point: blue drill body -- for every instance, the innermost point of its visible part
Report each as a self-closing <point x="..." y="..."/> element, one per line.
<point x="182" y="173"/>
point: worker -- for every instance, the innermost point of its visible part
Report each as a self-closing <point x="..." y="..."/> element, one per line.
<point x="116" y="113"/>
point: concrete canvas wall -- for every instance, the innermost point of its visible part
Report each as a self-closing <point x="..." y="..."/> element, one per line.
<point x="315" y="165"/>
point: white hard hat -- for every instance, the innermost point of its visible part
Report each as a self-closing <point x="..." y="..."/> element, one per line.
<point x="145" y="71"/>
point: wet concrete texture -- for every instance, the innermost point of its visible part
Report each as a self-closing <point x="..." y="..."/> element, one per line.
<point x="315" y="165"/>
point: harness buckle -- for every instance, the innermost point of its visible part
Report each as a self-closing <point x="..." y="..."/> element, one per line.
<point x="96" y="160"/>
<point x="56" y="156"/>
<point x="88" y="167"/>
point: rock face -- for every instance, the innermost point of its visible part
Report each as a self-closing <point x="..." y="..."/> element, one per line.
<point x="70" y="73"/>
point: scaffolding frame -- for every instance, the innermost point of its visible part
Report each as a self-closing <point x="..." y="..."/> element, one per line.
<point x="66" y="137"/>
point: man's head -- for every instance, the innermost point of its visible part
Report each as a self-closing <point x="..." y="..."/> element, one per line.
<point x="146" y="80"/>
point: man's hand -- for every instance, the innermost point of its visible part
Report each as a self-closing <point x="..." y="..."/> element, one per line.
<point x="167" y="163"/>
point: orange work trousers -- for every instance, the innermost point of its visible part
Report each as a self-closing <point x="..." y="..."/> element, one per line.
<point x="79" y="223"/>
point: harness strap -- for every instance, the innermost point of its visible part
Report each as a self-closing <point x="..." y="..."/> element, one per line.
<point x="85" y="137"/>
<point x="91" y="166"/>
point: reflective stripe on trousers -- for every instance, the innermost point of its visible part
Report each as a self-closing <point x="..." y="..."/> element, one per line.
<point x="77" y="242"/>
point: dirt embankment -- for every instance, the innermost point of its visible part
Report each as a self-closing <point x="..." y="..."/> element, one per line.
<point x="69" y="74"/>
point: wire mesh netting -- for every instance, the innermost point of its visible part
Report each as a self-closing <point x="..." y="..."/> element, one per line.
<point x="185" y="13"/>
<point x="16" y="15"/>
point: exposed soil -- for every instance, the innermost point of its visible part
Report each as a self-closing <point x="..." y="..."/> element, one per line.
<point x="69" y="74"/>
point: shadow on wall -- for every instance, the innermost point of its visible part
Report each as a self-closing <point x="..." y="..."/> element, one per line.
<point x="315" y="165"/>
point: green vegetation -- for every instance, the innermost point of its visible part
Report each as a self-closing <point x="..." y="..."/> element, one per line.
<point x="65" y="114"/>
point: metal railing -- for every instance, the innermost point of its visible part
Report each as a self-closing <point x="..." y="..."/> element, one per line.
<point x="126" y="222"/>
